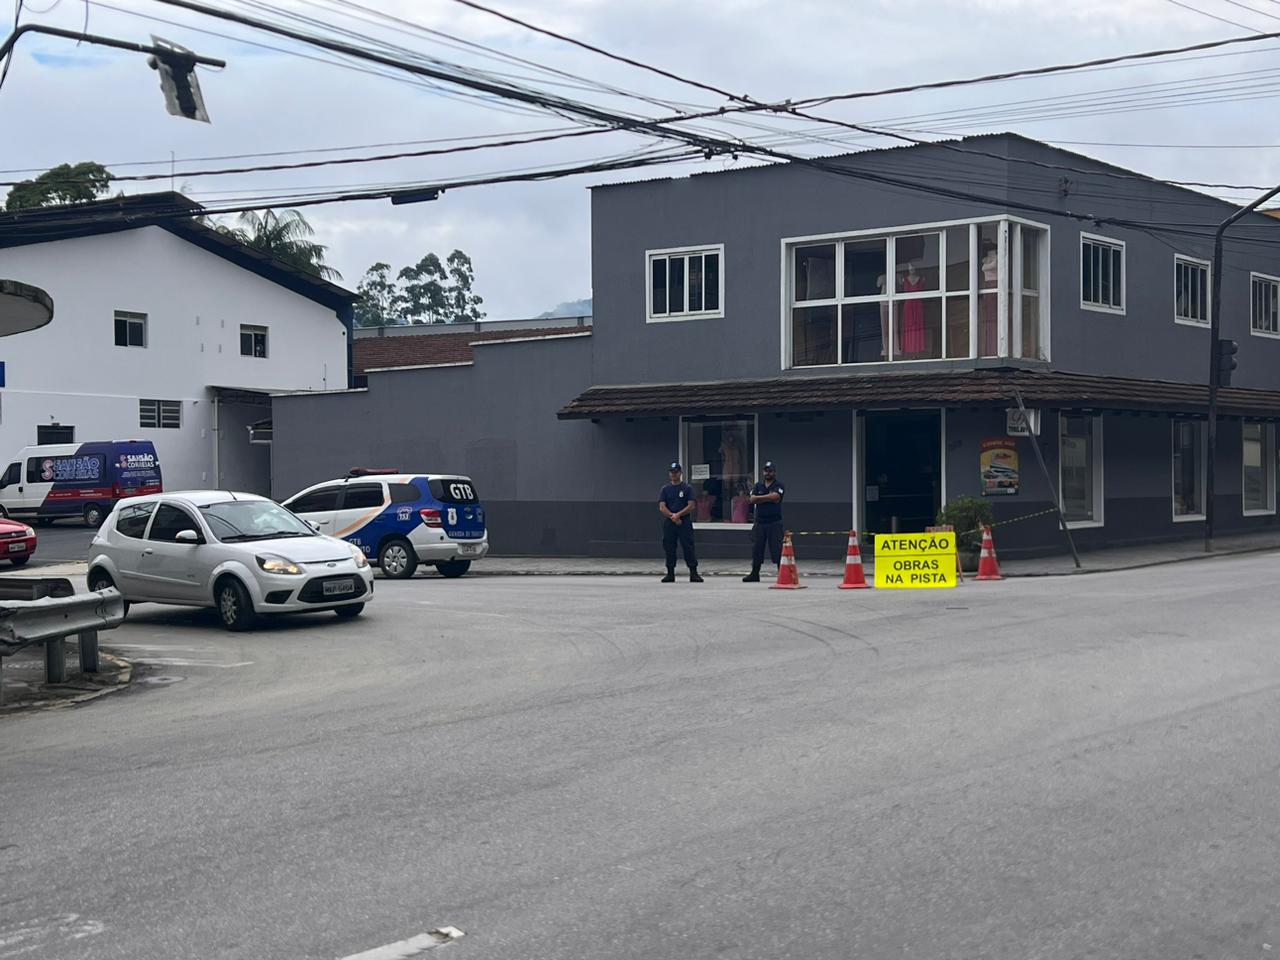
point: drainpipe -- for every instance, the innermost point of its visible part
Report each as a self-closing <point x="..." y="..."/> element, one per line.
<point x="217" y="442"/>
<point x="1215" y="326"/>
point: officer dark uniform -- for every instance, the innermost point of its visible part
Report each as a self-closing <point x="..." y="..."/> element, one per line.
<point x="767" y="497"/>
<point x="676" y="504"/>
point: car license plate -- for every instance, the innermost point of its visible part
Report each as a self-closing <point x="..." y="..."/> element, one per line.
<point x="469" y="549"/>
<point x="336" y="588"/>
<point x="17" y="548"/>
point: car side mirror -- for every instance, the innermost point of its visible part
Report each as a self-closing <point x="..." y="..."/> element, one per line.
<point x="313" y="525"/>
<point x="187" y="536"/>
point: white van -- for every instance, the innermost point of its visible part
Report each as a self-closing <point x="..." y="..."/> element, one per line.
<point x="83" y="480"/>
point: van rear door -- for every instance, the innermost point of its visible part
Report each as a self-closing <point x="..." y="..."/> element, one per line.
<point x="135" y="469"/>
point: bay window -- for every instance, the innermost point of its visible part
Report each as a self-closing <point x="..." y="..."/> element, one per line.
<point x="936" y="292"/>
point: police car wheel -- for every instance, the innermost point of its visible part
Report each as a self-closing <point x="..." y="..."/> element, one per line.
<point x="453" y="568"/>
<point x="397" y="559"/>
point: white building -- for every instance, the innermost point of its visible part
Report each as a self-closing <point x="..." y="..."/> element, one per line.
<point x="166" y="330"/>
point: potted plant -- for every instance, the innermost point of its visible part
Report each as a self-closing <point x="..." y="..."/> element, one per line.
<point x="967" y="515"/>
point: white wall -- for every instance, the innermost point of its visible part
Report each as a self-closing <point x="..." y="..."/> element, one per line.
<point x="72" y="372"/>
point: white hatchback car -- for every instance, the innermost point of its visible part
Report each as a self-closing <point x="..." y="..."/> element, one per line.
<point x="242" y="554"/>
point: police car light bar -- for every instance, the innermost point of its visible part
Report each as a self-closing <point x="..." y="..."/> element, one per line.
<point x="370" y="471"/>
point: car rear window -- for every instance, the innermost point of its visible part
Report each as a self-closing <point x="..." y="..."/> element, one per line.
<point x="405" y="493"/>
<point x="453" y="491"/>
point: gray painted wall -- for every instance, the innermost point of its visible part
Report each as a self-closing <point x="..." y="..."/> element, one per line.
<point x="242" y="465"/>
<point x="752" y="211"/>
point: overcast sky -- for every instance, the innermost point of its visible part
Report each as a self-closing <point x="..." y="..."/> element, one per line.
<point x="530" y="242"/>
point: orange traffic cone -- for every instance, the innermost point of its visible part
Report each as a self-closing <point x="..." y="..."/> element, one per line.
<point x="988" y="566"/>
<point x="854" y="578"/>
<point x="788" y="572"/>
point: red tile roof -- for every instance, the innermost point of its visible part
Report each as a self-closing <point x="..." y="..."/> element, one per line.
<point x="417" y="350"/>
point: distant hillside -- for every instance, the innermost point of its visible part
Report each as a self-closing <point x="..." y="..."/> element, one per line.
<point x="574" y="308"/>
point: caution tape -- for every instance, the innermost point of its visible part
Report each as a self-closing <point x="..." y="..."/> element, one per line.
<point x="998" y="523"/>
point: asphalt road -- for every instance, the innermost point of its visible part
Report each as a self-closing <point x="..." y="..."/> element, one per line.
<point x="588" y="768"/>
<point x="60" y="542"/>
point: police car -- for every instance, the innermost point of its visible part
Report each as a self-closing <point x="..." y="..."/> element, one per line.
<point x="400" y="519"/>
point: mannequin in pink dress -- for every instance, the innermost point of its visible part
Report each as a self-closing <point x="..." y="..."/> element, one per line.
<point x="912" y="335"/>
<point x="988" y="309"/>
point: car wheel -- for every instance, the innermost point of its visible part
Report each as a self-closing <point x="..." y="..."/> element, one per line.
<point x="397" y="559"/>
<point x="101" y="580"/>
<point x="235" y="608"/>
<point x="4" y="514"/>
<point x="44" y="521"/>
<point x="94" y="515"/>
<point x="19" y="561"/>
<point x="453" y="568"/>
<point x="350" y="611"/>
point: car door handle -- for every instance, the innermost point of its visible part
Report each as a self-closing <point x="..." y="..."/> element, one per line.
<point x="147" y="552"/>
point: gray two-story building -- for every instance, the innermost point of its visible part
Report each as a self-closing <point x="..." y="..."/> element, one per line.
<point x="868" y="323"/>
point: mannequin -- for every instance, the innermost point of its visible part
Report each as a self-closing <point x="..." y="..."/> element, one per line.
<point x="988" y="308"/>
<point x="884" y="320"/>
<point x="912" y="334"/>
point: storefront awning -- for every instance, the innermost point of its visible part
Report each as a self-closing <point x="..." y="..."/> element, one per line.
<point x="902" y="391"/>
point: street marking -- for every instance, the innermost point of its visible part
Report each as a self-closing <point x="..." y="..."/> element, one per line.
<point x="25" y="937"/>
<point x="404" y="949"/>
<point x="180" y="662"/>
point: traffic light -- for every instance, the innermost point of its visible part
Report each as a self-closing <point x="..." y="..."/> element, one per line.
<point x="177" y="68"/>
<point x="1227" y="350"/>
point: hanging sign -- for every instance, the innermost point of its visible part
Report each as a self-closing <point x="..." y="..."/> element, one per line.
<point x="1016" y="425"/>
<point x="915" y="561"/>
<point x="998" y="462"/>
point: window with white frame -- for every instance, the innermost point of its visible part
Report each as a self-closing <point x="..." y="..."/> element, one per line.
<point x="685" y="283"/>
<point x="1188" y="469"/>
<point x="130" y="329"/>
<point x="944" y="292"/>
<point x="160" y="414"/>
<point x="1258" y="468"/>
<point x="719" y="457"/>
<point x="1101" y="273"/>
<point x="1080" y="468"/>
<point x="1191" y="291"/>
<point x="253" y="341"/>
<point x="1264" y="305"/>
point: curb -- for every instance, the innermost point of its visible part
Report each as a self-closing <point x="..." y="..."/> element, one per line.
<point x="123" y="679"/>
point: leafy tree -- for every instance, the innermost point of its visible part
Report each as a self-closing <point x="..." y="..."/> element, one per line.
<point x="378" y="301"/>
<point x="464" y="305"/>
<point x="422" y="292"/>
<point x="286" y="236"/>
<point x="429" y="291"/>
<point x="66" y="183"/>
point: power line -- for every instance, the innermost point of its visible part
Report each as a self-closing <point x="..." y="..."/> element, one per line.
<point x="1205" y="13"/>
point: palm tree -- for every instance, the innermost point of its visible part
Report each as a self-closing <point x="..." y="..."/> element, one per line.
<point x="285" y="236"/>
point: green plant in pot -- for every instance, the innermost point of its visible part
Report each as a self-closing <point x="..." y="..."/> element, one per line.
<point x="968" y="515"/>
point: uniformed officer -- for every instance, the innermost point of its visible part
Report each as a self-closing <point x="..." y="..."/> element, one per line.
<point x="676" y="503"/>
<point x="767" y="497"/>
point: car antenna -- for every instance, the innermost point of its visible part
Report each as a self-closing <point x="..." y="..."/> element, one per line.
<point x="232" y="495"/>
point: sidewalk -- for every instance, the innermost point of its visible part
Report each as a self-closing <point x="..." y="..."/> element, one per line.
<point x="22" y="683"/>
<point x="1094" y="561"/>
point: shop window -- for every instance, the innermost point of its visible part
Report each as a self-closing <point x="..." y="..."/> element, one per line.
<point x="919" y="295"/>
<point x="1191" y="291"/>
<point x="1080" y="469"/>
<point x="1188" y="469"/>
<point x="719" y="457"/>
<point x="1264" y="297"/>
<point x="685" y="284"/>
<point x="1258" y="459"/>
<point x="1101" y="274"/>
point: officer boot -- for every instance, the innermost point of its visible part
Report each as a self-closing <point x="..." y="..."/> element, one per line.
<point x="753" y="576"/>
<point x="693" y="575"/>
<point x="671" y="575"/>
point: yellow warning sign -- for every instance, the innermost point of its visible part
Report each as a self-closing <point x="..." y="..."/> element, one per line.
<point x="915" y="561"/>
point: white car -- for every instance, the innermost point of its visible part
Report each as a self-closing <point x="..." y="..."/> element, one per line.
<point x="242" y="554"/>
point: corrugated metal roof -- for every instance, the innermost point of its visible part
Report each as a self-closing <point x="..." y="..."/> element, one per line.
<point x="986" y="387"/>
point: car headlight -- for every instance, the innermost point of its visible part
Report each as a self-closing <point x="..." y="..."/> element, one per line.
<point x="358" y="555"/>
<point x="28" y="531"/>
<point x="274" y="563"/>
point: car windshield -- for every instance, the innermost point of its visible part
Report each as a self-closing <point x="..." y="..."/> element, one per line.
<point x="237" y="520"/>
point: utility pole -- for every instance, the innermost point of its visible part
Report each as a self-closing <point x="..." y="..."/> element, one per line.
<point x="1216" y="357"/>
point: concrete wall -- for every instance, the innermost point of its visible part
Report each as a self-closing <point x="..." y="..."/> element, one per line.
<point x="71" y="371"/>
<point x="241" y="464"/>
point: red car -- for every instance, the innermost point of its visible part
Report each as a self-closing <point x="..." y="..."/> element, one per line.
<point x="17" y="541"/>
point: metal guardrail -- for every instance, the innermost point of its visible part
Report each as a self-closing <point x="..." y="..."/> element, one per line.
<point x="49" y="611"/>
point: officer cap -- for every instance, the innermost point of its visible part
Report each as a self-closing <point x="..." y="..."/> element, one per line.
<point x="674" y="467"/>
<point x="768" y="465"/>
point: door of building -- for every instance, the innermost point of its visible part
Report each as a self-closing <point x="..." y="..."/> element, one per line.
<point x="903" y="471"/>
